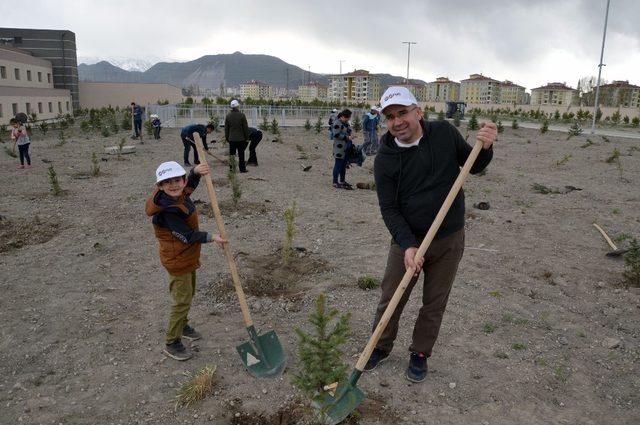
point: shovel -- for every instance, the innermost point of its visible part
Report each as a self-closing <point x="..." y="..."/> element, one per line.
<point x="262" y="355"/>
<point x="337" y="404"/>
<point x="616" y="251"/>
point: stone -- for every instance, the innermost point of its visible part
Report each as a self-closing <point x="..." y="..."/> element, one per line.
<point x="452" y="385"/>
<point x="563" y="340"/>
<point x="611" y="343"/>
<point x="113" y="150"/>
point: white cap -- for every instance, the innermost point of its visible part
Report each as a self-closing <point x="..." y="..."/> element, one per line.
<point x="168" y="170"/>
<point x="395" y="95"/>
<point x="235" y="103"/>
<point x="154" y="116"/>
<point x="334" y="110"/>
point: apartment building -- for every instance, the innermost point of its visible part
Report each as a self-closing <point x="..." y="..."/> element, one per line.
<point x="511" y="93"/>
<point x="554" y="94"/>
<point x="442" y="90"/>
<point x="26" y="85"/>
<point x="256" y="90"/>
<point x="418" y="90"/>
<point x="480" y="89"/>
<point x="358" y="86"/>
<point x="312" y="91"/>
<point x="616" y="94"/>
<point x="56" y="46"/>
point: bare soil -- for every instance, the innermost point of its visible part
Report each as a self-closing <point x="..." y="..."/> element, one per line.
<point x="540" y="327"/>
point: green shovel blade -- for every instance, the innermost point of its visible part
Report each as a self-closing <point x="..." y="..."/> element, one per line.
<point x="335" y="408"/>
<point x="262" y="355"/>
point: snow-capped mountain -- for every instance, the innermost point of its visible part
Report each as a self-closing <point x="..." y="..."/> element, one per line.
<point x="127" y="64"/>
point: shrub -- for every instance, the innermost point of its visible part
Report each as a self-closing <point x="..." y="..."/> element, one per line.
<point x="148" y="127"/>
<point x="264" y="125"/>
<point x="473" y="122"/>
<point x="214" y="120"/>
<point x="307" y="125"/>
<point x="43" y="127"/>
<point x="85" y="126"/>
<point x="545" y="126"/>
<point x="367" y="282"/>
<point x="440" y="115"/>
<point x="500" y="127"/>
<point x="514" y="124"/>
<point x="318" y="125"/>
<point x="105" y="131"/>
<point x="53" y="181"/>
<point x="62" y="138"/>
<point x="635" y="122"/>
<point x="575" y="129"/>
<point x="275" y="129"/>
<point x="632" y="264"/>
<point x="456" y="119"/>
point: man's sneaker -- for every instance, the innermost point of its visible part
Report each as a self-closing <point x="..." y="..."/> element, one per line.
<point x="191" y="334"/>
<point x="377" y="357"/>
<point x="177" y="351"/>
<point x="417" y="370"/>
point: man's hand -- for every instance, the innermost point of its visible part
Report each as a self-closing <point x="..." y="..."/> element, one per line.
<point x="201" y="169"/>
<point x="409" y="263"/>
<point x="218" y="240"/>
<point x="487" y="134"/>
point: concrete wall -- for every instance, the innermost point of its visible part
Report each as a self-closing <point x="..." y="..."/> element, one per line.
<point x="98" y="95"/>
<point x="33" y="72"/>
<point x="60" y="99"/>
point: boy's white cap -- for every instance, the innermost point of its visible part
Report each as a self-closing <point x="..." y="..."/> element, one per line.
<point x="395" y="95"/>
<point x="168" y="170"/>
<point x="154" y="116"/>
<point x="235" y="103"/>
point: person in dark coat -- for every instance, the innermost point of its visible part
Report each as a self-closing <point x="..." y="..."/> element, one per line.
<point x="255" y="136"/>
<point x="236" y="131"/>
<point x="188" y="142"/>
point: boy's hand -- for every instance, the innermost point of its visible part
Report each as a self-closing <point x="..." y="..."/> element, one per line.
<point x="201" y="169"/>
<point x="218" y="240"/>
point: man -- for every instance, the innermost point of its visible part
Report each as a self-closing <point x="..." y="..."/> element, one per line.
<point x="186" y="134"/>
<point x="136" y="111"/>
<point x="236" y="131"/>
<point x="255" y="136"/>
<point x="370" y="130"/>
<point x="414" y="170"/>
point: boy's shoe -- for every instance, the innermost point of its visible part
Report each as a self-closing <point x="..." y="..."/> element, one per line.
<point x="191" y="334"/>
<point x="20" y="167"/>
<point x="347" y="186"/>
<point x="417" y="370"/>
<point x="377" y="357"/>
<point x="337" y="185"/>
<point x="177" y="351"/>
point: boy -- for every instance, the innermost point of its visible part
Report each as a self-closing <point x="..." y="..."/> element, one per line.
<point x="21" y="138"/>
<point x="157" y="126"/>
<point x="175" y="222"/>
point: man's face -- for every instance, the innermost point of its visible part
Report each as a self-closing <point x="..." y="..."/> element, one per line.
<point x="403" y="122"/>
<point x="344" y="119"/>
<point x="173" y="186"/>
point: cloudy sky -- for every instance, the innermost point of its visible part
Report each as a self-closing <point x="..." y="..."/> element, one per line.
<point x="530" y="42"/>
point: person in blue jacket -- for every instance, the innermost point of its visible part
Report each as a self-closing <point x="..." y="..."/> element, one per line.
<point x="370" y="131"/>
<point x="187" y="140"/>
<point x="136" y="110"/>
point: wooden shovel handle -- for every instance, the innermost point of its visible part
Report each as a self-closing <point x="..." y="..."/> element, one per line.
<point x="408" y="275"/>
<point x="227" y="248"/>
<point x="606" y="237"/>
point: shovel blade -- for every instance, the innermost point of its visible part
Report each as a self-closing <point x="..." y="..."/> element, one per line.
<point x="262" y="355"/>
<point x="335" y="408"/>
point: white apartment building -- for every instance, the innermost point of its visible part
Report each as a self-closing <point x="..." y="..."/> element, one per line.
<point x="554" y="94"/>
<point x="442" y="90"/>
<point x="480" y="89"/>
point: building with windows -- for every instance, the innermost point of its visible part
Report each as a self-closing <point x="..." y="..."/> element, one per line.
<point x="511" y="93"/>
<point x="418" y="90"/>
<point x="26" y="85"/>
<point x="312" y="91"/>
<point x="256" y="90"/>
<point x="56" y="46"/>
<point x="616" y="94"/>
<point x="554" y="94"/>
<point x="442" y="90"/>
<point x="480" y="89"/>
<point x="355" y="87"/>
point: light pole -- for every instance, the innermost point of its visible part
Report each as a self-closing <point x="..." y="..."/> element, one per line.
<point x="341" y="60"/>
<point x="600" y="65"/>
<point x="408" y="43"/>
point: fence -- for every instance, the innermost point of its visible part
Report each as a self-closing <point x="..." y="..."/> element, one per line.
<point x="287" y="116"/>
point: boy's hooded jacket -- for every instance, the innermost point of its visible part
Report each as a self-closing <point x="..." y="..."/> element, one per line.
<point x="412" y="183"/>
<point x="175" y="223"/>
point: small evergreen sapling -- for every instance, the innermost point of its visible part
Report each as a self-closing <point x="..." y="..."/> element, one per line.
<point x="456" y="119"/>
<point x="575" y="130"/>
<point x="232" y="175"/>
<point x="318" y="125"/>
<point x="53" y="181"/>
<point x="264" y="125"/>
<point x="500" y="127"/>
<point x="307" y="125"/>
<point x="319" y="354"/>
<point x="514" y="124"/>
<point x="632" y="264"/>
<point x="357" y="124"/>
<point x="473" y="122"/>
<point x="95" y="165"/>
<point x="440" y="115"/>
<point x="545" y="126"/>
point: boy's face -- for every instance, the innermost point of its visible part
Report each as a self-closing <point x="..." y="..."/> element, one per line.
<point x="173" y="186"/>
<point x="15" y="125"/>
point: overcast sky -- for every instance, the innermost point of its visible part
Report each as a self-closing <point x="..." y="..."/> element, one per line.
<point x="530" y="42"/>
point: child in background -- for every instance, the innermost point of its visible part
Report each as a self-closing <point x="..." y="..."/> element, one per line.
<point x="157" y="126"/>
<point x="175" y="222"/>
<point x="21" y="138"/>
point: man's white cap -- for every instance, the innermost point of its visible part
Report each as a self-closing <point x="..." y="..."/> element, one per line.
<point x="395" y="95"/>
<point x="235" y="103"/>
<point x="154" y="116"/>
<point x="334" y="110"/>
<point x="168" y="170"/>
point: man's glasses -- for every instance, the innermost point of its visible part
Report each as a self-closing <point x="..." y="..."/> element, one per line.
<point x="401" y="114"/>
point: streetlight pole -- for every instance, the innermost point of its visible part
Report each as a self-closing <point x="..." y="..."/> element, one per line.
<point x="408" y="43"/>
<point x="600" y="65"/>
<point x="341" y="60"/>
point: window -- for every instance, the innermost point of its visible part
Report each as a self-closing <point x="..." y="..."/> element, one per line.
<point x="67" y="106"/>
<point x="17" y="40"/>
<point x="39" y="76"/>
<point x="59" y="107"/>
<point x="0" y="110"/>
<point x="28" y="105"/>
<point x="39" y="107"/>
<point x="28" y="75"/>
<point x="16" y="72"/>
<point x="3" y="72"/>
<point x="48" y="78"/>
<point x="50" y="107"/>
<point x="14" y="107"/>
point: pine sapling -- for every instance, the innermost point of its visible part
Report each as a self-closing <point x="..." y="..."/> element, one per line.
<point x="514" y="124"/>
<point x="290" y="215"/>
<point x="500" y="127"/>
<point x="318" y="125"/>
<point x="232" y="175"/>
<point x="357" y="124"/>
<point x="545" y="126"/>
<point x="95" y="165"/>
<point x="62" y="138"/>
<point x="264" y="126"/>
<point x="43" y="126"/>
<point x="53" y="181"/>
<point x="456" y="119"/>
<point x="632" y="264"/>
<point x="575" y="130"/>
<point x="440" y="115"/>
<point x="473" y="122"/>
<point x="148" y="127"/>
<point x="275" y="129"/>
<point x="307" y="125"/>
<point x="319" y="354"/>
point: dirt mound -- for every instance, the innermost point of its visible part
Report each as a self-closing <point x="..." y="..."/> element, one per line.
<point x="288" y="415"/>
<point x="17" y="233"/>
<point x="227" y="208"/>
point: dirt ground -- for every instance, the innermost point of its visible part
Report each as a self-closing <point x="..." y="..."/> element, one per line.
<point x="539" y="328"/>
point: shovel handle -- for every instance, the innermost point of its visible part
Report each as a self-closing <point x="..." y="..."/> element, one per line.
<point x="227" y="248"/>
<point x="606" y="237"/>
<point x="408" y="275"/>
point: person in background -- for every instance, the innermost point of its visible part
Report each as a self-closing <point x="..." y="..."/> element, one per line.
<point x="157" y="126"/>
<point x="342" y="144"/>
<point x="188" y="142"/>
<point x="236" y="131"/>
<point x="21" y="138"/>
<point x="370" y="131"/>
<point x="136" y="112"/>
<point x="332" y="118"/>
<point x="255" y="136"/>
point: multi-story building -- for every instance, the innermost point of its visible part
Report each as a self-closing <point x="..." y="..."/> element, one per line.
<point x="480" y="89"/>
<point x="418" y="90"/>
<point x="443" y="90"/>
<point x="511" y="93"/>
<point x="356" y="87"/>
<point x="26" y="85"/>
<point x="616" y="94"/>
<point x="312" y="91"/>
<point x="256" y="90"/>
<point x="554" y="94"/>
<point x="56" y="46"/>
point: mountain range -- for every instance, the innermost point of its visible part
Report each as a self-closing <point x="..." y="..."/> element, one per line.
<point x="211" y="71"/>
